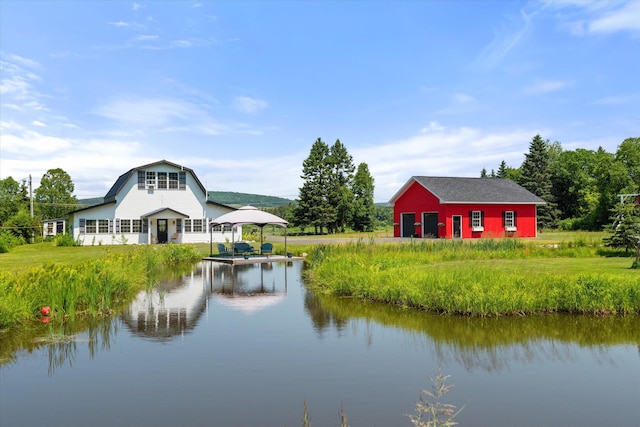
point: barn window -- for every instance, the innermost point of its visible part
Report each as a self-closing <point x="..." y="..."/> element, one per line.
<point x="187" y="226"/>
<point x="151" y="180"/>
<point x="162" y="180"/>
<point x="477" y="221"/>
<point x="173" y="180"/>
<point x="509" y="220"/>
<point x="103" y="226"/>
<point x="91" y="226"/>
<point x="136" y="225"/>
<point x="125" y="225"/>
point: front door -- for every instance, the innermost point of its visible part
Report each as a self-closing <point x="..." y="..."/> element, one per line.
<point x="162" y="231"/>
<point x="457" y="226"/>
<point x="408" y="225"/>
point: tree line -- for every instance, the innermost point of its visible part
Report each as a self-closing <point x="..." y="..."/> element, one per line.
<point x="21" y="213"/>
<point x="582" y="187"/>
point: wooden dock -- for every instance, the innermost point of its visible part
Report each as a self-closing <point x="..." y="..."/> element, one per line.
<point x="251" y="259"/>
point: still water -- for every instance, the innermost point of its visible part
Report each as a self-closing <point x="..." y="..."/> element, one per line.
<point x="248" y="345"/>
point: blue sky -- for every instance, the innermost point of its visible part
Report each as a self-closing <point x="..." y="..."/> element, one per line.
<point x="240" y="90"/>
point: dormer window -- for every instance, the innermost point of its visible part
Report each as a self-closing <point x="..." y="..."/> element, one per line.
<point x="151" y="180"/>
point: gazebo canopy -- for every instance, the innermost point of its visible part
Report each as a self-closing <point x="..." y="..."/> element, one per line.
<point x="249" y="215"/>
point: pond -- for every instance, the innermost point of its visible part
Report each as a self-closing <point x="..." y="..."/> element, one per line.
<point x="249" y="345"/>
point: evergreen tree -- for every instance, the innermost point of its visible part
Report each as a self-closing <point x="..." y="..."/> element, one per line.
<point x="536" y="177"/>
<point x="502" y="170"/>
<point x="54" y="198"/>
<point x="339" y="194"/>
<point x="364" y="209"/>
<point x="625" y="226"/>
<point x="483" y="173"/>
<point x="313" y="207"/>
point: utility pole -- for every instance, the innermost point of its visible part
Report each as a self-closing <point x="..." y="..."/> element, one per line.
<point x="30" y="196"/>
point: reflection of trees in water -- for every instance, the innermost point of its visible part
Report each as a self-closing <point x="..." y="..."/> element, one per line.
<point x="62" y="340"/>
<point x="486" y="343"/>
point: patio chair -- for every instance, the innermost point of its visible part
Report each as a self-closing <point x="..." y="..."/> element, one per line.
<point x="266" y="249"/>
<point x="222" y="249"/>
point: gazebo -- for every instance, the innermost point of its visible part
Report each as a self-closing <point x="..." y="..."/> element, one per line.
<point x="249" y="215"/>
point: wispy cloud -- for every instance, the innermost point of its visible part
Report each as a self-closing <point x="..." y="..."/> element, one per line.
<point x="249" y="105"/>
<point x="615" y="100"/>
<point x="146" y="37"/>
<point x="582" y="17"/>
<point x="119" y="24"/>
<point x="504" y="41"/>
<point x="545" y="86"/>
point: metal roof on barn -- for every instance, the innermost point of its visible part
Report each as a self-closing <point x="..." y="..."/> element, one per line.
<point x="473" y="190"/>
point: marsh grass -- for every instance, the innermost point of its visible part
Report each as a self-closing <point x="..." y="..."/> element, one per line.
<point x="489" y="277"/>
<point x="88" y="288"/>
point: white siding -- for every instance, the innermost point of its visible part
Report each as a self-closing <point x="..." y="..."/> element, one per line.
<point x="133" y="203"/>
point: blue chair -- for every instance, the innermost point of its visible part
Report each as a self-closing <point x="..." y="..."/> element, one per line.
<point x="222" y="249"/>
<point x="266" y="249"/>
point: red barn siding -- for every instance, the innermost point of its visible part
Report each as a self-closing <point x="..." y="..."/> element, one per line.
<point x="416" y="199"/>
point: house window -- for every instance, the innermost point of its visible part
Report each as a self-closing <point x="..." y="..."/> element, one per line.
<point x="151" y="179"/>
<point x="103" y="226"/>
<point x="216" y="228"/>
<point x="125" y="225"/>
<point x="510" y="221"/>
<point x="91" y="226"/>
<point x="182" y="180"/>
<point x="49" y="228"/>
<point x="136" y="226"/>
<point x="477" y="221"/>
<point x="162" y="180"/>
<point x="197" y="226"/>
<point x="179" y="225"/>
<point x="187" y="226"/>
<point x="173" y="180"/>
<point x="141" y="177"/>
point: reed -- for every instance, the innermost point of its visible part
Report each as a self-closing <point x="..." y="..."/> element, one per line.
<point x="486" y="278"/>
<point x="89" y="288"/>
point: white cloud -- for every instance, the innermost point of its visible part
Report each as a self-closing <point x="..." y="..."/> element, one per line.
<point x="119" y="24"/>
<point x="627" y="18"/>
<point x="248" y="105"/>
<point x="545" y="86"/>
<point x="38" y="124"/>
<point x="147" y="37"/>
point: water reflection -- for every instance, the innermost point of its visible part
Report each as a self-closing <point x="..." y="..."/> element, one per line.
<point x="174" y="307"/>
<point x="489" y="344"/>
<point x="62" y="341"/>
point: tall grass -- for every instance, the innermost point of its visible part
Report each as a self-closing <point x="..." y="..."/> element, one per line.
<point x="485" y="278"/>
<point x="91" y="288"/>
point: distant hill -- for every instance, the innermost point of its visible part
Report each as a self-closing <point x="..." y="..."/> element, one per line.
<point x="234" y="199"/>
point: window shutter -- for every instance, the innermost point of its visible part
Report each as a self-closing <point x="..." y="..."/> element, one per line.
<point x="470" y="218"/>
<point x="145" y="225"/>
<point x="515" y="222"/>
<point x="481" y="218"/>
<point x="117" y="225"/>
<point x="182" y="180"/>
<point x="82" y="225"/>
<point x="504" y="219"/>
<point x="141" y="180"/>
<point x="110" y="226"/>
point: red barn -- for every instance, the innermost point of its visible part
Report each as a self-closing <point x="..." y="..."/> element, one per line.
<point x="464" y="208"/>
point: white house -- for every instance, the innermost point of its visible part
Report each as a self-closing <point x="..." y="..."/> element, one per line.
<point x="161" y="202"/>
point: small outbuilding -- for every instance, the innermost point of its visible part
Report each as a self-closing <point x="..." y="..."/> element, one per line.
<point x="450" y="207"/>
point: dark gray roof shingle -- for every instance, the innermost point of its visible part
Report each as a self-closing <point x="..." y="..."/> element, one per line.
<point x="477" y="190"/>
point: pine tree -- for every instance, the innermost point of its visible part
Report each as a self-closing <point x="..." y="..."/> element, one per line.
<point x="625" y="226"/>
<point x="502" y="170"/>
<point x="313" y="206"/>
<point x="536" y="177"/>
<point x="363" y="207"/>
<point x="339" y="194"/>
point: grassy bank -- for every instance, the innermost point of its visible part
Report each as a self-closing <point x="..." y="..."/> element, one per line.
<point x="79" y="280"/>
<point x="480" y="278"/>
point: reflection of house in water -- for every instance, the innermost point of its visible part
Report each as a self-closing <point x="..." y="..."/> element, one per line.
<point x="174" y="306"/>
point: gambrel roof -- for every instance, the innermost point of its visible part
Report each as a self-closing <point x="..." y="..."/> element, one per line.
<point x="453" y="190"/>
<point x="122" y="179"/>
